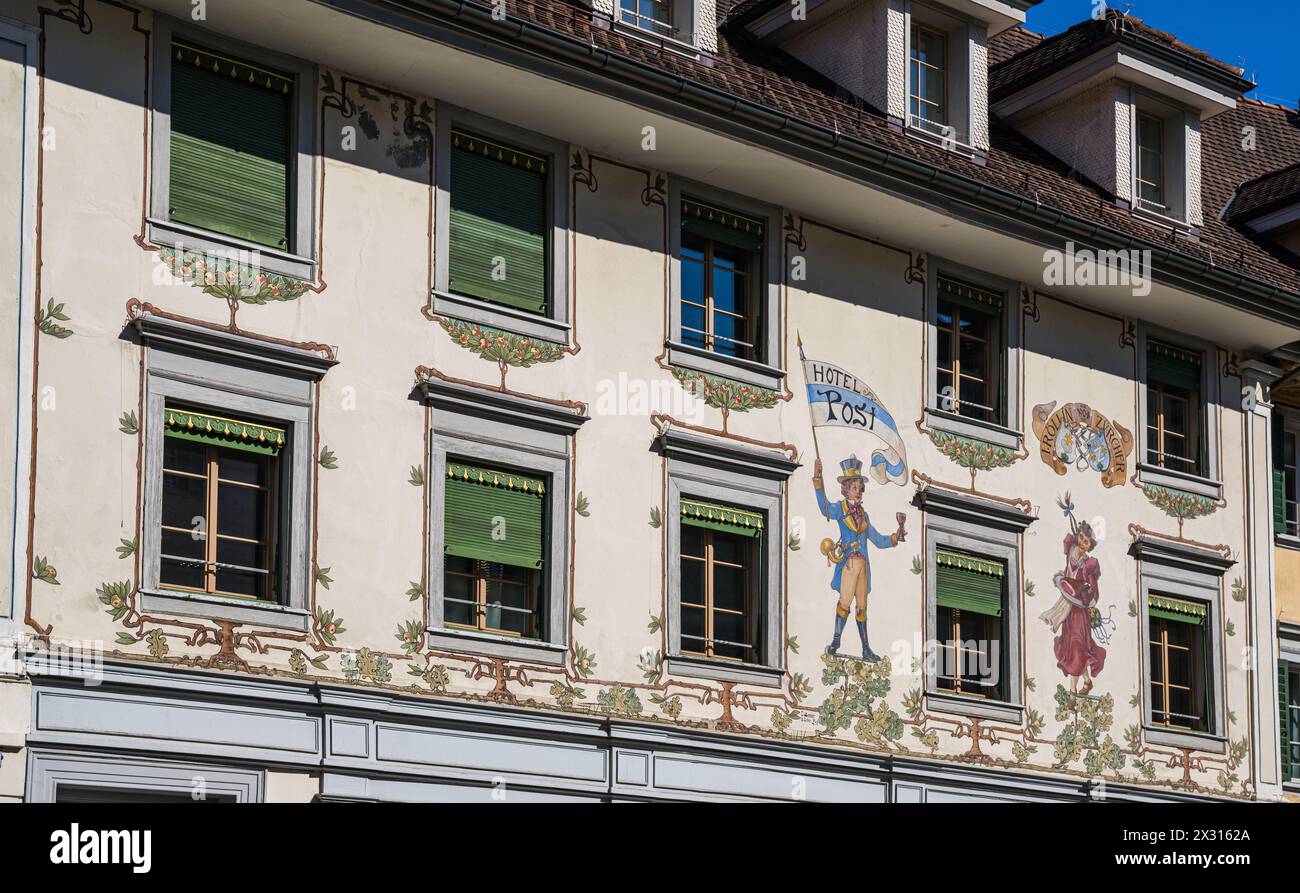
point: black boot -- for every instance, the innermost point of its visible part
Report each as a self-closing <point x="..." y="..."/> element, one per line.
<point x="840" y="620"/>
<point x="867" y="653"/>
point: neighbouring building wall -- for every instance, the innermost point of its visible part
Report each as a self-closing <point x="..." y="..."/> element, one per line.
<point x="1288" y="584"/>
<point x="369" y="530"/>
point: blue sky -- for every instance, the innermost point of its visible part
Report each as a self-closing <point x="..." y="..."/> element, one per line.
<point x="1261" y="36"/>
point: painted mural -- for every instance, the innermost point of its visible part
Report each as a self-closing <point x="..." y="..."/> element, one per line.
<point x="1075" y="619"/>
<point x="1079" y="437"/>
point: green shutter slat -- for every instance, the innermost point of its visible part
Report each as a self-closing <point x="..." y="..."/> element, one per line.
<point x="722" y="225"/>
<point x="488" y="522"/>
<point x="498" y="210"/>
<point x="1284" y="718"/>
<point x="1173" y="366"/>
<point x="230" y="155"/>
<point x="967" y="589"/>
<point x="1279" y="500"/>
<point x="720" y="517"/>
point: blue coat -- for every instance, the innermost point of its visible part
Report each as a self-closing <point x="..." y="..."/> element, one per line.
<point x="853" y="541"/>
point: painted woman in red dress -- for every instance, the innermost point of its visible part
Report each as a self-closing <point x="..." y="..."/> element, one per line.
<point x="1078" y="656"/>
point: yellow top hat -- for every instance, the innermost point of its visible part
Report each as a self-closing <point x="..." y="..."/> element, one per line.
<point x="852" y="468"/>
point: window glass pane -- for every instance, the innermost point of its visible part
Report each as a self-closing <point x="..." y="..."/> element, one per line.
<point x="241" y="511"/>
<point x="184" y="499"/>
<point x="184" y="455"/>
<point x="729" y="629"/>
<point x="729" y="588"/>
<point x="692" y="540"/>
<point x="458" y="592"/>
<point x="693" y="629"/>
<point x="244" y="468"/>
<point x="240" y="583"/>
<point x="692" y="582"/>
<point x="501" y="599"/>
<point x="692" y="274"/>
<point x="176" y="573"/>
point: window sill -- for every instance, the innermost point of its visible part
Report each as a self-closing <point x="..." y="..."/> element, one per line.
<point x="486" y="645"/>
<point x="1286" y="541"/>
<point x="189" y="238"/>
<point x="1177" y="480"/>
<point x="988" y="432"/>
<point x="1203" y="741"/>
<point x="212" y="607"/>
<point x="724" y="671"/>
<point x="750" y="372"/>
<point x="497" y="316"/>
<point x="645" y="35"/>
<point x="980" y="708"/>
<point x="956" y="146"/>
<point x="1161" y="219"/>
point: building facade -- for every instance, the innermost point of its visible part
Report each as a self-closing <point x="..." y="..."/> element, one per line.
<point x="545" y="401"/>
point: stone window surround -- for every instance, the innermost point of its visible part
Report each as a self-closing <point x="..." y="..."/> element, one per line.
<point x="299" y="261"/>
<point x="1185" y="572"/>
<point x="986" y="528"/>
<point x="953" y="423"/>
<point x="497" y="428"/>
<point x="1211" y="484"/>
<point x="764" y="374"/>
<point x="233" y="374"/>
<point x="49" y="770"/>
<point x="556" y="326"/>
<point x="717" y="470"/>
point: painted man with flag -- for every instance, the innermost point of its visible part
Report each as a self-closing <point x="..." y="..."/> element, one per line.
<point x="837" y="398"/>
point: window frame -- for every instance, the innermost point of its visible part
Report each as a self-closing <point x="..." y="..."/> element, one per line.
<point x="49" y="770"/>
<point x="555" y="325"/>
<point x="231" y="375"/>
<point x="955" y="643"/>
<point x="298" y="260"/>
<point x="753" y="585"/>
<point x="1288" y="422"/>
<point x="959" y="32"/>
<point x="764" y="372"/>
<point x="1208" y="483"/>
<point x="978" y="527"/>
<point x="685" y="38"/>
<point x="1200" y="642"/>
<point x="701" y="467"/>
<point x="1000" y="434"/>
<point x="1174" y="158"/>
<point x="921" y="29"/>
<point x="1195" y="575"/>
<point x="513" y="432"/>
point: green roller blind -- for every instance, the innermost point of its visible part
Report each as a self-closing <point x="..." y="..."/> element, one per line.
<point x="230" y="152"/>
<point x="235" y="434"/>
<point x="1173" y="365"/>
<point x="493" y="515"/>
<point x="968" y="295"/>
<point x="1279" y="500"/>
<point x="498" y="229"/>
<point x="1166" y="607"/>
<point x="721" y="225"/>
<point x="1284" y="719"/>
<point x="721" y="517"/>
<point x="969" y="583"/>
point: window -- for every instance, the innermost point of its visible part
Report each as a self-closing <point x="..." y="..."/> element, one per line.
<point x="495" y="551"/>
<point x="725" y="285"/>
<point x="1286" y="511"/>
<point x="1181" y="696"/>
<point x="228" y="453"/>
<point x="650" y="15"/>
<point x="1151" y="163"/>
<point x="501" y="227"/>
<point x="233" y="150"/>
<point x="720" y="579"/>
<point x="970" y="597"/>
<point x="220" y="505"/>
<point x="499" y="232"/>
<point x="500" y="505"/>
<point x="929" y="83"/>
<point x="969" y="358"/>
<point x="1288" y="677"/>
<point x="721" y="264"/>
<point x="1174" y="408"/>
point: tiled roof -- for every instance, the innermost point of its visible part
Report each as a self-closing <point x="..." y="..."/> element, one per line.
<point x="1031" y="63"/>
<point x="1015" y="164"/>
<point x="1265" y="194"/>
<point x="1011" y="42"/>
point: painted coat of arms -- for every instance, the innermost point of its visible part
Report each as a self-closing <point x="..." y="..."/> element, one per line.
<point x="1077" y="436"/>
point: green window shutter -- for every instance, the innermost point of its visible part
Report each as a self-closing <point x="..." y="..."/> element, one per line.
<point x="1173" y="365"/>
<point x="481" y="503"/>
<point x="1284" y="718"/>
<point x="498" y="210"/>
<point x="968" y="583"/>
<point x="721" y="517"/>
<point x="1166" y="607"/>
<point x="236" y="434"/>
<point x="721" y="225"/>
<point x="230" y="152"/>
<point x="970" y="296"/>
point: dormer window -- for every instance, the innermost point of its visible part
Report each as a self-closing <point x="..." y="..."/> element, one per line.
<point x="1151" y="163"/>
<point x="655" y="16"/>
<point x="929" y="80"/>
